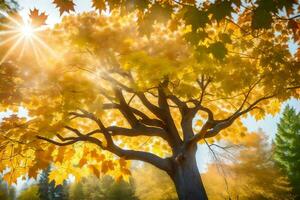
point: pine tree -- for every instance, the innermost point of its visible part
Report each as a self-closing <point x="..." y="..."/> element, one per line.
<point x="48" y="190"/>
<point x="287" y="147"/>
<point x="6" y="192"/>
<point x="44" y="184"/>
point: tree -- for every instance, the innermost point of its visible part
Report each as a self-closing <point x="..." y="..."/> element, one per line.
<point x="30" y="193"/>
<point x="287" y="147"/>
<point x="252" y="175"/>
<point x="6" y="192"/>
<point x="44" y="187"/>
<point x="76" y="192"/>
<point x="93" y="188"/>
<point x="102" y="89"/>
<point x="47" y="189"/>
<point x="147" y="178"/>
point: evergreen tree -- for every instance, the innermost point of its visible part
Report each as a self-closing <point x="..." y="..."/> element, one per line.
<point x="44" y="184"/>
<point x="48" y="191"/>
<point x="6" y="192"/>
<point x="287" y="147"/>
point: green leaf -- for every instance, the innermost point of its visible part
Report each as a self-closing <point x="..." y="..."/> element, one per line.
<point x="224" y="37"/>
<point x="267" y="5"/>
<point x="220" y="10"/>
<point x="160" y="12"/>
<point x="195" y="17"/>
<point x="218" y="50"/>
<point x="131" y="5"/>
<point x="261" y="19"/>
<point x="195" y="37"/>
<point x="201" y="52"/>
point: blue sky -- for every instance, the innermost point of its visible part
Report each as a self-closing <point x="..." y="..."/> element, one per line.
<point x="268" y="124"/>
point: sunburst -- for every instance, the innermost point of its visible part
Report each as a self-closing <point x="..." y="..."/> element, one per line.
<point x="21" y="35"/>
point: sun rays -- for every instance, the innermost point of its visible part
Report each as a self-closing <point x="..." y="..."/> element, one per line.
<point x="18" y="37"/>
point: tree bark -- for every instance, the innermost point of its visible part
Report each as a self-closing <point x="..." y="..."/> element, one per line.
<point x="187" y="179"/>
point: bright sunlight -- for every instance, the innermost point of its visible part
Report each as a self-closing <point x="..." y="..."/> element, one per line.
<point x="27" y="31"/>
<point x="20" y="35"/>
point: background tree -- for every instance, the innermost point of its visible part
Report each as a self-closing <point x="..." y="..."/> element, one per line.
<point x="287" y="147"/>
<point x="147" y="178"/>
<point x="47" y="189"/>
<point x="76" y="192"/>
<point x="6" y="192"/>
<point x="31" y="193"/>
<point x="104" y="93"/>
<point x="93" y="188"/>
<point x="251" y="173"/>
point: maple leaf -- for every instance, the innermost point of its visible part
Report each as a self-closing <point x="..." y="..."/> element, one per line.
<point x="64" y="5"/>
<point x="160" y="12"/>
<point x="38" y="19"/>
<point x="218" y="50"/>
<point x="261" y="19"/>
<point x="220" y="10"/>
<point x="82" y="162"/>
<point x="141" y="4"/>
<point x="196" y="17"/>
<point x="99" y="5"/>
<point x="294" y="25"/>
<point x="33" y="171"/>
<point x="131" y="5"/>
<point x="58" y="176"/>
<point x="60" y="155"/>
<point x="94" y="170"/>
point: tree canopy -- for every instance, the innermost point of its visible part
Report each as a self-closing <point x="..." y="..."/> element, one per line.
<point x="99" y="90"/>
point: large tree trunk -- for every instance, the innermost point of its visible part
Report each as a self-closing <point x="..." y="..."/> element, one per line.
<point x="187" y="180"/>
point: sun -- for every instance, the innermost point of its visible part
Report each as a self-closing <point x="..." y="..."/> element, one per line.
<point x="18" y="35"/>
<point x="27" y="31"/>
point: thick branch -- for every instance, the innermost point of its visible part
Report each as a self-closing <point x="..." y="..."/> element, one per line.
<point x="144" y="118"/>
<point x="139" y="130"/>
<point x="163" y="164"/>
<point x="157" y="161"/>
<point x="151" y="107"/>
<point x="125" y="109"/>
<point x="175" y="139"/>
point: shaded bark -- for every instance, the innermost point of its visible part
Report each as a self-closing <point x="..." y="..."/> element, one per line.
<point x="187" y="179"/>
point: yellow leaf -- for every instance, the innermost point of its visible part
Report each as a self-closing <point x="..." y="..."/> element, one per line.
<point x="94" y="170"/>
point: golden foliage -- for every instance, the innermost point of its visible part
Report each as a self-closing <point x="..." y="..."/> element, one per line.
<point x="103" y="61"/>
